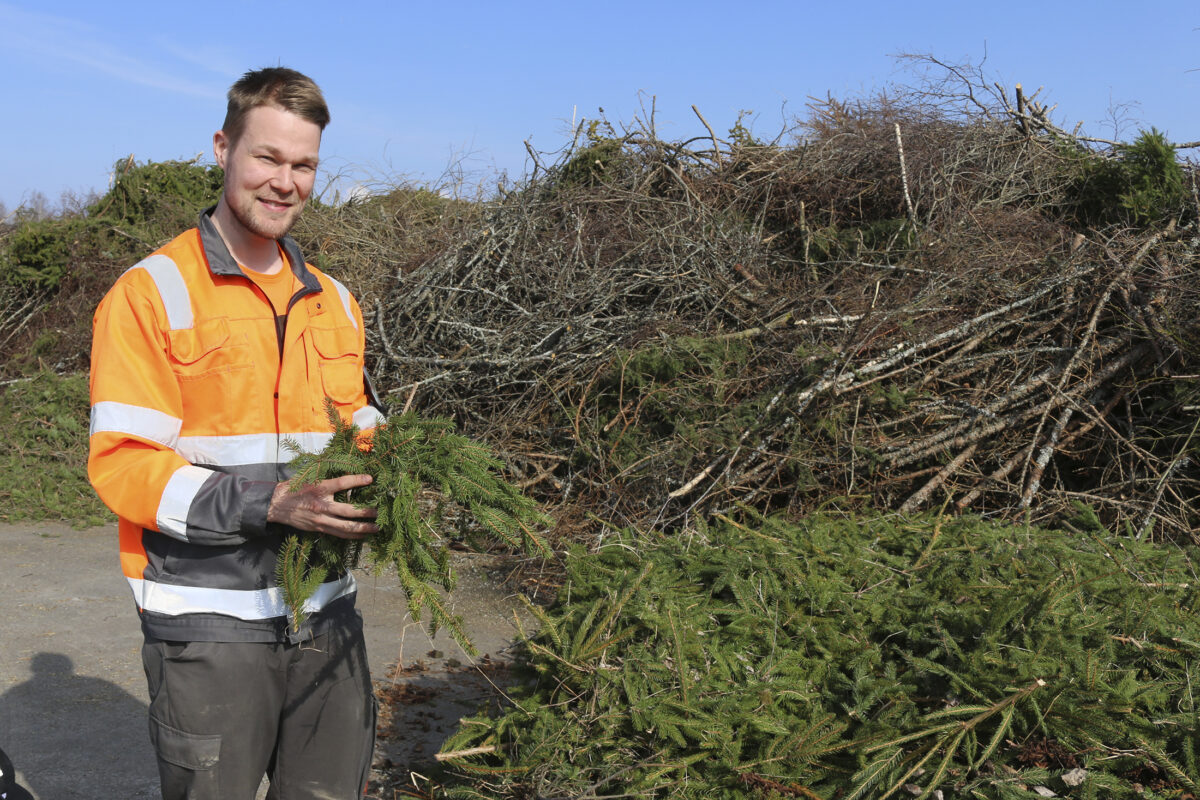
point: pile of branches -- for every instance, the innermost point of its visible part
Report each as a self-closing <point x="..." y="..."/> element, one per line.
<point x="853" y="656"/>
<point x="898" y="304"/>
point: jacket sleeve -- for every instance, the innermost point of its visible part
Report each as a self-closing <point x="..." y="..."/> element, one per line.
<point x="136" y="418"/>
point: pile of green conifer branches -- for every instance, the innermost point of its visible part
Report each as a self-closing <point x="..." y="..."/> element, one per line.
<point x="843" y="657"/>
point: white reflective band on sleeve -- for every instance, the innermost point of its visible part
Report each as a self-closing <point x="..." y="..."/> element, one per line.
<point x="344" y="293"/>
<point x="112" y="417"/>
<point x="171" y="289"/>
<point x="367" y="417"/>
<point x="163" y="598"/>
<point x="177" y="499"/>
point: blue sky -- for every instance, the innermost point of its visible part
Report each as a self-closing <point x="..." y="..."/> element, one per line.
<point x="417" y="89"/>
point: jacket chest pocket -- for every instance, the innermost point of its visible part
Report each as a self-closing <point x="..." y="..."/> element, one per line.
<point x="339" y="363"/>
<point x="214" y="371"/>
<point x="207" y="350"/>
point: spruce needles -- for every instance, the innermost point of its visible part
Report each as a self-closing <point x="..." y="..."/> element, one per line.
<point x="419" y="466"/>
<point x="863" y="658"/>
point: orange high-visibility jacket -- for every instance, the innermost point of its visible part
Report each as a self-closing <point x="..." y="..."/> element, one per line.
<point x="194" y="391"/>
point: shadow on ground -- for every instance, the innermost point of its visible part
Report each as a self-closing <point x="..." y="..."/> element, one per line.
<point x="67" y="733"/>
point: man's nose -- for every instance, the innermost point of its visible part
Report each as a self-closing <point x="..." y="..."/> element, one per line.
<point x="283" y="179"/>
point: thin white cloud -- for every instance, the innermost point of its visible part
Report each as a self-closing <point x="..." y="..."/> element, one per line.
<point x="63" y="40"/>
<point x="208" y="57"/>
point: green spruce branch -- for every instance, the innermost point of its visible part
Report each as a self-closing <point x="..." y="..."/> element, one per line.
<point x="419" y="467"/>
<point x="854" y="657"/>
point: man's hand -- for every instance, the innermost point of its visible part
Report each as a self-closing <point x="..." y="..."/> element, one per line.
<point x="312" y="508"/>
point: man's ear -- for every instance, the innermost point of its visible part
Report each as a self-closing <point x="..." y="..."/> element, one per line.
<point x="220" y="148"/>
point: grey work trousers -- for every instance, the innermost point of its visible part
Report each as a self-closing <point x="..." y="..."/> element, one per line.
<point x="224" y="714"/>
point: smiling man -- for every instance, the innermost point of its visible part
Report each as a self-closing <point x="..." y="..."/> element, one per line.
<point x="206" y="357"/>
<point x="270" y="162"/>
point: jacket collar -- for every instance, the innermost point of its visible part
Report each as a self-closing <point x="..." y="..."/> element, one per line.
<point x="221" y="261"/>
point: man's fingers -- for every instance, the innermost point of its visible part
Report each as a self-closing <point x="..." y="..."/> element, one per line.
<point x="332" y="486"/>
<point x="313" y="508"/>
<point x="352" y="530"/>
<point x="342" y="483"/>
<point x="350" y="511"/>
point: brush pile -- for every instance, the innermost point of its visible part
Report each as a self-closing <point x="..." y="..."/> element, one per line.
<point x="854" y="657"/>
<point x="924" y="300"/>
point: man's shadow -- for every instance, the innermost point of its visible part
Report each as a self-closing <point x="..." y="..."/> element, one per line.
<point x="73" y="737"/>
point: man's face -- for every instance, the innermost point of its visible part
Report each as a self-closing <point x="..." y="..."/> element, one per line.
<point x="269" y="170"/>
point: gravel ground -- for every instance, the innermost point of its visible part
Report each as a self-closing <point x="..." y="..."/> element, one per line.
<point x="73" y="696"/>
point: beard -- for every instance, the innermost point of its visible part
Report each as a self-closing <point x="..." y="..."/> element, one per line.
<point x="260" y="222"/>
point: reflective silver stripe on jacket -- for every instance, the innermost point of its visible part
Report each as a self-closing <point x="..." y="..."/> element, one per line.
<point x="249" y="448"/>
<point x="171" y="289"/>
<point x="256" y="604"/>
<point x="109" y="416"/>
<point x="344" y="293"/>
<point x="177" y="497"/>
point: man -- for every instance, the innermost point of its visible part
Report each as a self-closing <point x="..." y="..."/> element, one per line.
<point x="206" y="357"/>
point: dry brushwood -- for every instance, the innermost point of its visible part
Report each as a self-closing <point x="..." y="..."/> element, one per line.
<point x="408" y="458"/>
<point x="895" y="308"/>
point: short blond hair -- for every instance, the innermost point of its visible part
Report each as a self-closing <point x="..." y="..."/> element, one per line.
<point x="274" y="86"/>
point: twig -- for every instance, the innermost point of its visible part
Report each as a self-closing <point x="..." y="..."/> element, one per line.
<point x="532" y="155"/>
<point x="1178" y="463"/>
<point x="920" y="496"/>
<point x="713" y="136"/>
<point x="1043" y="458"/>
<point x="464" y="753"/>
<point x="908" y="204"/>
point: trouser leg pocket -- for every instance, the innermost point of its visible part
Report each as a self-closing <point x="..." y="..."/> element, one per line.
<point x="187" y="762"/>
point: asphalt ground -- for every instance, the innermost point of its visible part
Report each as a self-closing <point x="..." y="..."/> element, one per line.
<point x="73" y="700"/>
